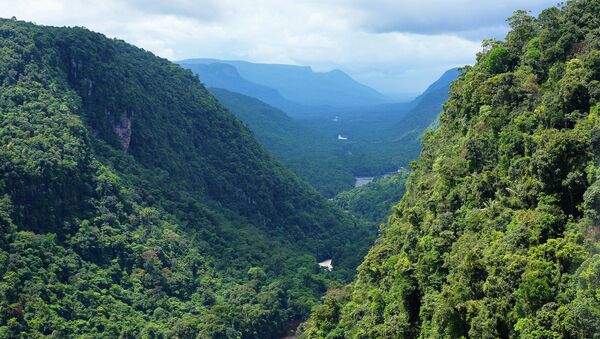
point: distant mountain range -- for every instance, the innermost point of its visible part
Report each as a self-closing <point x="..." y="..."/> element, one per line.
<point x="383" y="137"/>
<point x="226" y="76"/>
<point x="291" y="88"/>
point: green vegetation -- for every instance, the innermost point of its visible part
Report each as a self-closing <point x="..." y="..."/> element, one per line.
<point x="497" y="235"/>
<point x="313" y="156"/>
<point x="383" y="138"/>
<point x="374" y="200"/>
<point x="133" y="205"/>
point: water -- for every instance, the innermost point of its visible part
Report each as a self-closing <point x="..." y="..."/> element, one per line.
<point x="361" y="181"/>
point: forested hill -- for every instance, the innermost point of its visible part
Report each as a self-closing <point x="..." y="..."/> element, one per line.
<point x="442" y="83"/>
<point x="497" y="235"/>
<point x="313" y="155"/>
<point x="374" y="200"/>
<point x="133" y="204"/>
<point x="383" y="138"/>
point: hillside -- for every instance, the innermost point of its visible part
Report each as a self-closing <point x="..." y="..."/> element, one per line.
<point x="374" y="201"/>
<point x="301" y="85"/>
<point x="426" y="108"/>
<point x="497" y="235"/>
<point x="313" y="156"/>
<point x="132" y="204"/>
<point x="382" y="137"/>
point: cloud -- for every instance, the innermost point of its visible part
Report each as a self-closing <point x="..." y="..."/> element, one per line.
<point x="438" y="17"/>
<point x="204" y="10"/>
<point x="395" y="46"/>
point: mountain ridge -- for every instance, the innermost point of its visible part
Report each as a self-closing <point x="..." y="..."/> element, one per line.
<point x="300" y="84"/>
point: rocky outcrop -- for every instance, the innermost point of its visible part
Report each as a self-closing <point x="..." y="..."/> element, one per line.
<point x="122" y="126"/>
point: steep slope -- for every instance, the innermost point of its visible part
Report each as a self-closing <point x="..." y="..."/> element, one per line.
<point x="426" y="107"/>
<point x="302" y="85"/>
<point x="382" y="137"/>
<point x="400" y="141"/>
<point x="497" y="235"/>
<point x="442" y="83"/>
<point x="132" y="204"/>
<point x="313" y="156"/>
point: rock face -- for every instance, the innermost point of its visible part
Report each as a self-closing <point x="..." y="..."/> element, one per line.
<point x="122" y="126"/>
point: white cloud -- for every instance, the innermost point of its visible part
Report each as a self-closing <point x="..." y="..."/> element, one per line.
<point x="435" y="16"/>
<point x="394" y="46"/>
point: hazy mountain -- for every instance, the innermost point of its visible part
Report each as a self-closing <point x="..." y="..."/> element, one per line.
<point x="441" y="85"/>
<point x="383" y="137"/>
<point x="302" y="85"/>
<point x="226" y="76"/>
<point x="425" y="108"/>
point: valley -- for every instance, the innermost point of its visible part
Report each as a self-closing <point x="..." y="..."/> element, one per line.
<point x="331" y="149"/>
<point x="148" y="191"/>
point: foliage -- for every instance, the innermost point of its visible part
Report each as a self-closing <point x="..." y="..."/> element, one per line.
<point x="383" y="138"/>
<point x="497" y="234"/>
<point x="374" y="200"/>
<point x="132" y="204"/>
<point x="313" y="156"/>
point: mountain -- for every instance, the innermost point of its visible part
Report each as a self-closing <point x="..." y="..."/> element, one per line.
<point x="300" y="84"/>
<point x="381" y="137"/>
<point x="221" y="75"/>
<point x="425" y="111"/>
<point x="133" y="204"/>
<point x="497" y="235"/>
<point x="312" y="155"/>
<point x="441" y="85"/>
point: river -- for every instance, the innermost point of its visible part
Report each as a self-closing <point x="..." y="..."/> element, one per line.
<point x="361" y="181"/>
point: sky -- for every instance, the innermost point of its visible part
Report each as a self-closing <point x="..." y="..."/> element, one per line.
<point x="395" y="46"/>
